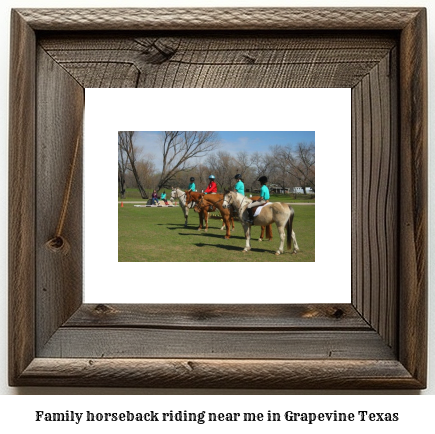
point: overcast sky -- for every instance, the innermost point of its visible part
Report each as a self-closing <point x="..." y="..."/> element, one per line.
<point x="231" y="141"/>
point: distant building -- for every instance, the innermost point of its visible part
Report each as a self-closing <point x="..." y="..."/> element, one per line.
<point x="277" y="189"/>
<point x="300" y="190"/>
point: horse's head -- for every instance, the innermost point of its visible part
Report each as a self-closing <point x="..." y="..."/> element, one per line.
<point x="189" y="197"/>
<point x="227" y="199"/>
<point x="174" y="194"/>
<point x="200" y="202"/>
<point x="193" y="196"/>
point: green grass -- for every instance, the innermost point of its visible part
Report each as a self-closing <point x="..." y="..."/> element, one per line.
<point x="158" y="234"/>
<point x="132" y="194"/>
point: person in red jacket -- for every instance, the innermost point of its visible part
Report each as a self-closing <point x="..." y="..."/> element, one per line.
<point x="212" y="187"/>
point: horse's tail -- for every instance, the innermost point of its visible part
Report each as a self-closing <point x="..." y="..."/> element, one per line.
<point x="290" y="227"/>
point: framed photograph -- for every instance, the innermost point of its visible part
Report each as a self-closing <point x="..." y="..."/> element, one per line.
<point x="377" y="341"/>
<point x="148" y="246"/>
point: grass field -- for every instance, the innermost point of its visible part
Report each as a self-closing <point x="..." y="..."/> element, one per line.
<point x="158" y="234"/>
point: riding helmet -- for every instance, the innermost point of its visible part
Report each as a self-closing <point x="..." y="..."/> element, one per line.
<point x="211" y="177"/>
<point x="263" y="179"/>
<point x="192" y="179"/>
<point x="238" y="176"/>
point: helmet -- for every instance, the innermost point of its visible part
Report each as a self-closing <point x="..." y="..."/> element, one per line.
<point x="192" y="179"/>
<point x="211" y="177"/>
<point x="263" y="179"/>
<point x="238" y="176"/>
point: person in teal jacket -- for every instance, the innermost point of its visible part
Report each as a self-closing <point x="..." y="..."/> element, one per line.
<point x="239" y="187"/>
<point x="264" y="198"/>
<point x="192" y="184"/>
<point x="163" y="197"/>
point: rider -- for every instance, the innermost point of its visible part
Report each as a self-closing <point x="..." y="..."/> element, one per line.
<point x="192" y="184"/>
<point x="239" y="187"/>
<point x="212" y="187"/>
<point x="264" y="198"/>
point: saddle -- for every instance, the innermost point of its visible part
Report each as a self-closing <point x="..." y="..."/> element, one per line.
<point x="254" y="209"/>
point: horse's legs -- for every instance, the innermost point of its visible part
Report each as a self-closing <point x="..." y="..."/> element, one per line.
<point x="281" y="232"/>
<point x="206" y="220"/>
<point x="247" y="229"/>
<point x="186" y="213"/>
<point x="201" y="216"/>
<point x="261" y="234"/>
<point x="227" y="226"/>
<point x="295" y="243"/>
<point x="269" y="232"/>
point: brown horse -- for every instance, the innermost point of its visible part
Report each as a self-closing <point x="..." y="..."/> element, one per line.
<point x="203" y="204"/>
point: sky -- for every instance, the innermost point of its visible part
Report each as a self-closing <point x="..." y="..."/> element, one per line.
<point x="232" y="141"/>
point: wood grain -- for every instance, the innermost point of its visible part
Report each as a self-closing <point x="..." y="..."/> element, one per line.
<point x="21" y="197"/>
<point x="237" y="60"/>
<point x="59" y="278"/>
<point x="377" y="342"/>
<point x="220" y="18"/>
<point x="227" y="374"/>
<point x="375" y="200"/>
<point x="413" y="187"/>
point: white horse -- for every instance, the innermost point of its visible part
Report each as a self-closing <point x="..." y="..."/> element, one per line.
<point x="280" y="213"/>
<point x="181" y="196"/>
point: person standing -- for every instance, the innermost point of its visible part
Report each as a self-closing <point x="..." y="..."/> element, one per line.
<point x="264" y="198"/>
<point x="212" y="187"/>
<point x="239" y="187"/>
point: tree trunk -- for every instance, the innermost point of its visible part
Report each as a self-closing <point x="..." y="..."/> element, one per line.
<point x="138" y="182"/>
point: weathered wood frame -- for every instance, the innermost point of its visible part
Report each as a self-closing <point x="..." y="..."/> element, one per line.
<point x="377" y="341"/>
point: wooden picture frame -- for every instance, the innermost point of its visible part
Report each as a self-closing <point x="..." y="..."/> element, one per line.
<point x="378" y="341"/>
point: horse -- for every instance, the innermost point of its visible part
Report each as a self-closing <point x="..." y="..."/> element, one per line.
<point x="267" y="228"/>
<point x="280" y="213"/>
<point x="181" y="195"/>
<point x="203" y="203"/>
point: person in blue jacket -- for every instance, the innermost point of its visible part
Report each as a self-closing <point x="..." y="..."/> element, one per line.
<point x="239" y="187"/>
<point x="192" y="184"/>
<point x="264" y="198"/>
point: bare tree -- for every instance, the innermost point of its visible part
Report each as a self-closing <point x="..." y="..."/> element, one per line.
<point x="122" y="171"/>
<point x="262" y="164"/>
<point x="281" y="174"/>
<point x="301" y="163"/>
<point x="127" y="149"/>
<point x="243" y="163"/>
<point x="223" y="166"/>
<point x="147" y="171"/>
<point x="180" y="148"/>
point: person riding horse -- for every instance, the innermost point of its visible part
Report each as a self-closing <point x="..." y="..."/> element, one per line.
<point x="239" y="187"/>
<point x="264" y="198"/>
<point x="212" y="187"/>
<point x="192" y="184"/>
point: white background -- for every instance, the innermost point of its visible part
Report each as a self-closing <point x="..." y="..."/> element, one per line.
<point x="325" y="111"/>
<point x="18" y="410"/>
